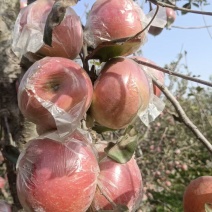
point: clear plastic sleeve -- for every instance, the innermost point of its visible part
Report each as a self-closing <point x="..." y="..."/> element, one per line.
<point x="67" y="38"/>
<point x="110" y="20"/>
<point x="118" y="184"/>
<point x="156" y="105"/>
<point x="55" y="175"/>
<point x="55" y="93"/>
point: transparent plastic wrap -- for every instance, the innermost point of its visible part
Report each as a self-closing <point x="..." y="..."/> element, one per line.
<point x="118" y="184"/>
<point x="57" y="176"/>
<point x="156" y="105"/>
<point x="67" y="38"/>
<point x="110" y="20"/>
<point x="120" y="92"/>
<point x="55" y="93"/>
<point x="5" y="207"/>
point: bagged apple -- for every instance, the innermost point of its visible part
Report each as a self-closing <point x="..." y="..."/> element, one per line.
<point x="67" y="37"/>
<point x="55" y="93"/>
<point x="57" y="175"/>
<point x="5" y="207"/>
<point x="120" y="92"/>
<point x="114" y="19"/>
<point x="119" y="185"/>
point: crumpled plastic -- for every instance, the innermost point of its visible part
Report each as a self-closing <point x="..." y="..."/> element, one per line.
<point x="105" y="24"/>
<point x="55" y="174"/>
<point x="118" y="184"/>
<point x="67" y="38"/>
<point x="156" y="105"/>
<point x="55" y="93"/>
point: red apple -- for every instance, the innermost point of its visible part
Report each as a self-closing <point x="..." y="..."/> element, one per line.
<point x="5" y="207"/>
<point x="114" y="19"/>
<point x="55" y="92"/>
<point x="67" y="38"/>
<point x="55" y="176"/>
<point x="170" y="17"/>
<point x="120" y="92"/>
<point x="197" y="194"/>
<point x="118" y="184"/>
<point x="158" y="74"/>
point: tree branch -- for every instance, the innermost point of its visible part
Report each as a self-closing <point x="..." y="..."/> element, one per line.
<point x="162" y="4"/>
<point x="185" y="119"/>
<point x="194" y="27"/>
<point x="174" y="73"/>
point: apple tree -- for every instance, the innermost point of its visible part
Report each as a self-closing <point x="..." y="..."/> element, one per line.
<point x="87" y="123"/>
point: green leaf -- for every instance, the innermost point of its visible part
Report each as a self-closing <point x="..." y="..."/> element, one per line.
<point x="195" y="4"/>
<point x="208" y="207"/>
<point x="115" y="48"/>
<point x="186" y="6"/>
<point x="123" y="150"/>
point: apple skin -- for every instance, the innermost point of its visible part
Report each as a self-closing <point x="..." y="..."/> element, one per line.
<point x="197" y="194"/>
<point x="5" y="207"/>
<point x="114" y="19"/>
<point x="58" y="81"/>
<point x="158" y="74"/>
<point x="55" y="176"/>
<point x="67" y="38"/>
<point x="121" y="183"/>
<point x="120" y="92"/>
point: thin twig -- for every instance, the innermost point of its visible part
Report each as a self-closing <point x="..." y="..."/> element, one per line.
<point x="185" y="119"/>
<point x="191" y="27"/>
<point x="186" y="77"/>
<point x="136" y="35"/>
<point x="162" y="4"/>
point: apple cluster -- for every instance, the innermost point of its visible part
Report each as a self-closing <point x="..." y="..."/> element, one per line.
<point x="63" y="170"/>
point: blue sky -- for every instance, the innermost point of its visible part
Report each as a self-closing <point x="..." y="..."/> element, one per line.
<point x="164" y="48"/>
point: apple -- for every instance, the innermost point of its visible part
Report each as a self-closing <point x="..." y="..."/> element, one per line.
<point x="55" y="92"/>
<point x="4" y="206"/>
<point x="158" y="74"/>
<point x="120" y="92"/>
<point x="67" y="38"/>
<point x="170" y="17"/>
<point x="118" y="184"/>
<point x="115" y="19"/>
<point x="197" y="194"/>
<point x="57" y="176"/>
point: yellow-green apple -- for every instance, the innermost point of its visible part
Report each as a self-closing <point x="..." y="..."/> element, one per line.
<point x="57" y="176"/>
<point x="118" y="184"/>
<point x="55" y="91"/>
<point x="67" y="38"/>
<point x="197" y="194"/>
<point x="170" y="17"/>
<point x="120" y="92"/>
<point x="115" y="19"/>
<point x="157" y="74"/>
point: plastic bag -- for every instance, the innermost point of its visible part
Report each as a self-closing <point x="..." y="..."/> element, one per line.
<point x="55" y="93"/>
<point x="57" y="175"/>
<point x="118" y="184"/>
<point x="67" y="38"/>
<point x="110" y="20"/>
